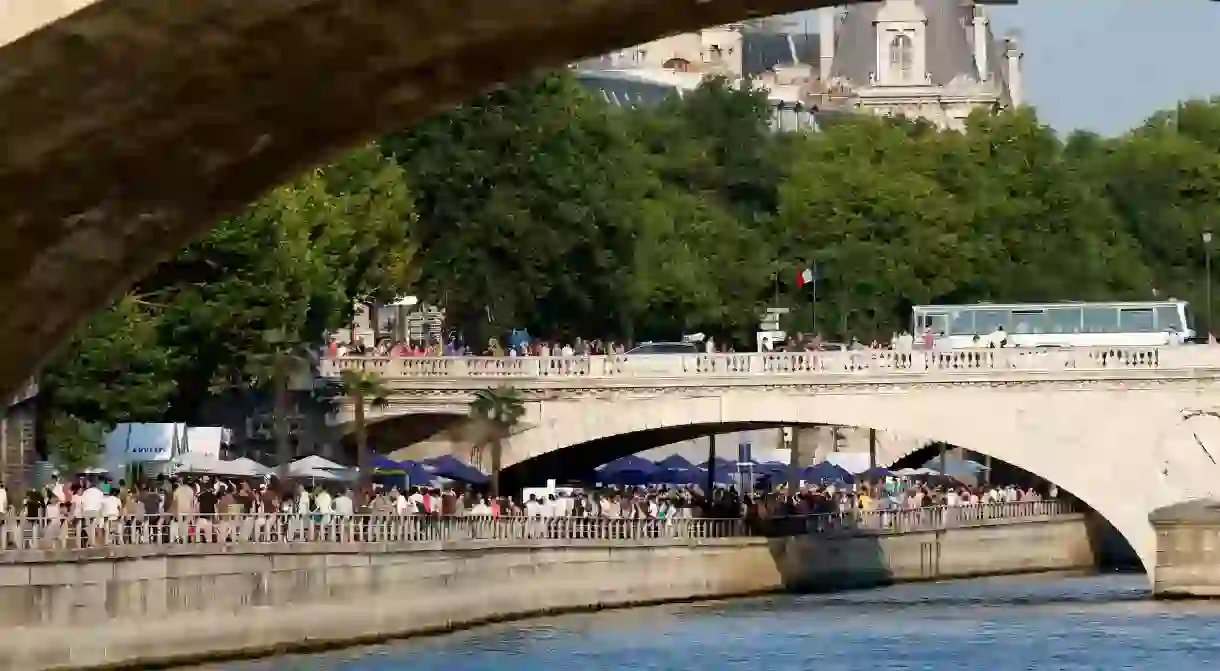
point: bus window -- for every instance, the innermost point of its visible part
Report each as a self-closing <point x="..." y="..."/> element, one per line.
<point x="1167" y="319"/>
<point x="963" y="323"/>
<point x="1100" y="320"/>
<point x="1028" y="321"/>
<point x="1136" y="320"/>
<point x="1063" y="321"/>
<point x="986" y="321"/>
<point x="938" y="323"/>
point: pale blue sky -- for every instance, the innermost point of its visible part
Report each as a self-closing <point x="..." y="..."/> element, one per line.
<point x="1106" y="65"/>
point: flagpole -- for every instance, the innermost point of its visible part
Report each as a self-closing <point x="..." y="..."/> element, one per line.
<point x="775" y="276"/>
<point x="816" y="333"/>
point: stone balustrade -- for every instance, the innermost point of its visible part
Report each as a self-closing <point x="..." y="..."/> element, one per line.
<point x="835" y="363"/>
<point x="20" y="537"/>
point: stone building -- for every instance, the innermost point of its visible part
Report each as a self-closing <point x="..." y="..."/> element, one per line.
<point x="937" y="60"/>
<point x="931" y="59"/>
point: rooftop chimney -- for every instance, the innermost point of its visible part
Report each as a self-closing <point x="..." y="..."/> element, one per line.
<point x="1015" y="87"/>
<point x="827" y="20"/>
<point x="981" y="43"/>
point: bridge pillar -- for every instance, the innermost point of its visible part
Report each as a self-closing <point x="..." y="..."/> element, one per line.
<point x="1187" y="550"/>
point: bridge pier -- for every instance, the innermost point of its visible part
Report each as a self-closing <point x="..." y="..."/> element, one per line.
<point x="1187" y="550"/>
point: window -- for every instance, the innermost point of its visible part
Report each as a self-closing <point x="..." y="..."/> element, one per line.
<point x="986" y="321"/>
<point x="1136" y="320"/>
<point x="1063" y="320"/>
<point x="963" y="323"/>
<point x="677" y="65"/>
<point x="1029" y="321"/>
<point x="1167" y="319"/>
<point x="1100" y="320"/>
<point x="902" y="57"/>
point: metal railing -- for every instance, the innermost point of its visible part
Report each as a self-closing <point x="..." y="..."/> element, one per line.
<point x="253" y="530"/>
<point x="880" y="361"/>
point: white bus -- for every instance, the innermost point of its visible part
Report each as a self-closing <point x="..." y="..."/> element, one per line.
<point x="1056" y="324"/>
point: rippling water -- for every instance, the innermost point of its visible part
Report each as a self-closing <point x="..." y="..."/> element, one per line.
<point x="1097" y="623"/>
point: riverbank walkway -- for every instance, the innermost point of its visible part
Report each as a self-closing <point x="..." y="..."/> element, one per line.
<point x="225" y="532"/>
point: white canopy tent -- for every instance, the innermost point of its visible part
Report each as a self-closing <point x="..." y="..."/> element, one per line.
<point x="240" y="468"/>
<point x="194" y="462"/>
<point x="313" y="462"/>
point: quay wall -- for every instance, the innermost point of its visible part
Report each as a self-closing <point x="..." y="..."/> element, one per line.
<point x="130" y="606"/>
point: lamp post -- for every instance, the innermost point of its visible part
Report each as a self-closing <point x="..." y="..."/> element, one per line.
<point x="1207" y="279"/>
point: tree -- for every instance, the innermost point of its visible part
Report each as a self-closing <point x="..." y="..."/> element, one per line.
<point x="364" y="388"/>
<point x="75" y="444"/>
<point x="114" y="369"/>
<point x="495" y="412"/>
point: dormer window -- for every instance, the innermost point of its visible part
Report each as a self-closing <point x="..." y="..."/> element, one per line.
<point x="715" y="54"/>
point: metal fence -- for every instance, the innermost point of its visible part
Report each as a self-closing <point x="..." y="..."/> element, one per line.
<point x="17" y="534"/>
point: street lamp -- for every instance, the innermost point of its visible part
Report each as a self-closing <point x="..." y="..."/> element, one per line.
<point x="1207" y="279"/>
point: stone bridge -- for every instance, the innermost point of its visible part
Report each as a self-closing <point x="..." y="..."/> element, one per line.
<point x="1125" y="430"/>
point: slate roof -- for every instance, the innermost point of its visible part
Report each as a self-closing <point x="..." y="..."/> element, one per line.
<point x="949" y="37"/>
<point x="764" y="50"/>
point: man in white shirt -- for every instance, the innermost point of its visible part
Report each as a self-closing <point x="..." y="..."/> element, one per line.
<point x="3" y="500"/>
<point x="323" y="502"/>
<point x="415" y="502"/>
<point x="343" y="504"/>
<point x="91" y="502"/>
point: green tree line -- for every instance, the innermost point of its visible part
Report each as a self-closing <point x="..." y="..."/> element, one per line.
<point x="541" y="206"/>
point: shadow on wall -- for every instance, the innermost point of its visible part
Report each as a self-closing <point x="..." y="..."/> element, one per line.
<point x="1110" y="549"/>
<point x="850" y="560"/>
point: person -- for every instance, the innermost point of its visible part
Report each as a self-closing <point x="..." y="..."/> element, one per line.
<point x="343" y="504"/>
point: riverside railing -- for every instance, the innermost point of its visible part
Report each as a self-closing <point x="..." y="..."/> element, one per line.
<point x="250" y="530"/>
<point x="866" y="361"/>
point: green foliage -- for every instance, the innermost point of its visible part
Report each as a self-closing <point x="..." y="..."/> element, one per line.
<point x="495" y="412"/>
<point x="366" y="387"/>
<point x="78" y="443"/>
<point x="292" y="264"/>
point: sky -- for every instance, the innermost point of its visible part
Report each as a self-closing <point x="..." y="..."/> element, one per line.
<point x="1106" y="65"/>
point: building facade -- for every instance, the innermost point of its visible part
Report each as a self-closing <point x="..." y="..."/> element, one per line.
<point x="936" y="60"/>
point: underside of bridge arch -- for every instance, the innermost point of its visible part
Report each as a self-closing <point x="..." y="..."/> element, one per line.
<point x="132" y="127"/>
<point x="391" y="434"/>
<point x="1124" y="448"/>
<point x="579" y="461"/>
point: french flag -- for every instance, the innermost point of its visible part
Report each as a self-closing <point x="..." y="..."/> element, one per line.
<point x="804" y="277"/>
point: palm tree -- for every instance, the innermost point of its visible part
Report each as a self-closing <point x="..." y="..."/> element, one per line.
<point x="364" y="388"/>
<point x="495" y="412"/>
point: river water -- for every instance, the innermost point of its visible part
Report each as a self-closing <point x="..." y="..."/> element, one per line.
<point x="1095" y="623"/>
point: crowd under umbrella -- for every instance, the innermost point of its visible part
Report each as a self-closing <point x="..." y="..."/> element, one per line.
<point x="674" y="470"/>
<point x="875" y="473"/>
<point x="826" y="472"/>
<point x="452" y="468"/>
<point x="417" y="474"/>
<point x="629" y="470"/>
<point x="775" y="469"/>
<point x="720" y="463"/>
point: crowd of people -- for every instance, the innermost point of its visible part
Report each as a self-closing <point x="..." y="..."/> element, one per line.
<point x="903" y="341"/>
<point x="98" y="500"/>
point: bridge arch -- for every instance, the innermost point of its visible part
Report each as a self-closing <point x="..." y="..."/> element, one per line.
<point x="1124" y="450"/>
